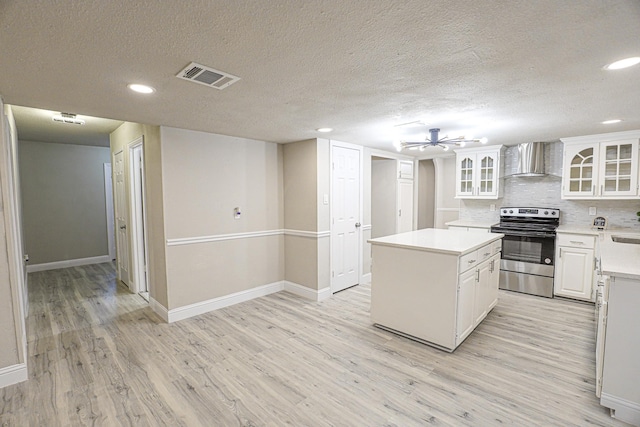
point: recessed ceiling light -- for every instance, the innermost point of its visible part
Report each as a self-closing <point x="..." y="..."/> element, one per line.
<point x="141" y="88"/>
<point x="324" y="130"/>
<point x="623" y="63"/>
<point x="610" y="122"/>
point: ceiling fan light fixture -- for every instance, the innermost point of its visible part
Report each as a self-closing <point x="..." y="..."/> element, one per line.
<point x="433" y="140"/>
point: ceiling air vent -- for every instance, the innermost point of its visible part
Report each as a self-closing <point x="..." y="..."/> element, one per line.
<point x="207" y="76"/>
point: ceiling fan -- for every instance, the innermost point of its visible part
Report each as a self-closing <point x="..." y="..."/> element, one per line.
<point x="432" y="141"/>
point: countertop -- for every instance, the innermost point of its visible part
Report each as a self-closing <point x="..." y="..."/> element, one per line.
<point x="472" y="224"/>
<point x="619" y="259"/>
<point x="456" y="242"/>
<point x="616" y="259"/>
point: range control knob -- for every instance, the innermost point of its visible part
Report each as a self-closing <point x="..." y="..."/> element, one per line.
<point x="546" y="212"/>
<point x="510" y="211"/>
<point x="553" y="213"/>
<point x="504" y="211"/>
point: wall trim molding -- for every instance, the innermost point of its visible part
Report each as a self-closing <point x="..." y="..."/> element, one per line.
<point x="366" y="278"/>
<point x="307" y="293"/>
<point x="625" y="410"/>
<point x="221" y="237"/>
<point x="310" y="234"/>
<point x="366" y="227"/>
<point x="68" y="263"/>
<point x="203" y="307"/>
<point x="159" y="309"/>
<point x="13" y="374"/>
<point x="251" y="234"/>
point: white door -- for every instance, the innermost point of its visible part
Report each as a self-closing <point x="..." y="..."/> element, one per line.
<point x="405" y="206"/>
<point x="122" y="239"/>
<point x="345" y="213"/>
<point x="137" y="230"/>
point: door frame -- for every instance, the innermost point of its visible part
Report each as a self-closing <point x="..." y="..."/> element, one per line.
<point x="139" y="254"/>
<point x="10" y="184"/>
<point x="108" y="197"/>
<point x="360" y="150"/>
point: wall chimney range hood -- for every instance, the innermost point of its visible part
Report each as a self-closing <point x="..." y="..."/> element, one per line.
<point x="530" y="159"/>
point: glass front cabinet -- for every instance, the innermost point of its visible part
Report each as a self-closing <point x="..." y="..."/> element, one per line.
<point x="478" y="172"/>
<point x="601" y="166"/>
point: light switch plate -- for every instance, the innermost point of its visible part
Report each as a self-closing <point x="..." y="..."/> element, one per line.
<point x="325" y="199"/>
<point x="592" y="210"/>
<point x="492" y="207"/>
<point x="236" y="213"/>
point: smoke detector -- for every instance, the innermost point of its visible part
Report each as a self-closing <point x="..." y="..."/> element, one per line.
<point x="67" y="118"/>
<point x="207" y="76"/>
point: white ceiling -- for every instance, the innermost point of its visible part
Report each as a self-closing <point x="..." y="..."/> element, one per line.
<point x="512" y="71"/>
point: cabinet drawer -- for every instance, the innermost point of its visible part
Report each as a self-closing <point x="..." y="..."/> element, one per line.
<point x="485" y="252"/>
<point x="468" y="261"/>
<point x="496" y="246"/>
<point x="576" y="240"/>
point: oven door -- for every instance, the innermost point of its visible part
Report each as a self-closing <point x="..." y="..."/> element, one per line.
<point x="534" y="249"/>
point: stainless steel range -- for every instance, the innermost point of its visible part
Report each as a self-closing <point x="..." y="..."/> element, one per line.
<point x="528" y="249"/>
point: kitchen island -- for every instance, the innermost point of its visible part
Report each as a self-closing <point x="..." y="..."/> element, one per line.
<point x="434" y="285"/>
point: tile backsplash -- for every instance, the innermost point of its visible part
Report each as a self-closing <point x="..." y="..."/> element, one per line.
<point x="546" y="192"/>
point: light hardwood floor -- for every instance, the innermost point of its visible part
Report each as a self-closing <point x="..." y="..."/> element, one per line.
<point x="98" y="355"/>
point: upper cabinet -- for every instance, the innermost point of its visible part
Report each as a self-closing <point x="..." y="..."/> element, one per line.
<point x="601" y="166"/>
<point x="478" y="172"/>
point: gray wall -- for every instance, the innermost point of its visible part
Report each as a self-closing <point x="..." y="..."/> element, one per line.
<point x="426" y="194"/>
<point x="63" y="200"/>
<point x="384" y="183"/>
<point x="546" y="192"/>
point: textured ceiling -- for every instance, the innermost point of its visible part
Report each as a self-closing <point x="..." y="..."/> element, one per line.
<point x="512" y="71"/>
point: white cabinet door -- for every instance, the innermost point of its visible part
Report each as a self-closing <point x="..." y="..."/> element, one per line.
<point x="405" y="206"/>
<point x="574" y="273"/>
<point x="618" y="168"/>
<point x="466" y="299"/>
<point x="486" y="178"/>
<point x="580" y="171"/>
<point x="494" y="282"/>
<point x="465" y="175"/>
<point x="481" y="306"/>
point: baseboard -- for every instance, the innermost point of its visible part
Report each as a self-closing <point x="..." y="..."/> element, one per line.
<point x="203" y="307"/>
<point x="159" y="309"/>
<point x="68" y="263"/>
<point x="622" y="409"/>
<point x="307" y="293"/>
<point x="366" y="278"/>
<point x="13" y="374"/>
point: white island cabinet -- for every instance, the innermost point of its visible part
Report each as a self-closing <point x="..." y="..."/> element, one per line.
<point x="434" y="285"/>
<point x="621" y="329"/>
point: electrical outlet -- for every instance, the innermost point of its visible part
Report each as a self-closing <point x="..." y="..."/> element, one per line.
<point x="492" y="207"/>
<point x="236" y="213"/>
<point x="592" y="210"/>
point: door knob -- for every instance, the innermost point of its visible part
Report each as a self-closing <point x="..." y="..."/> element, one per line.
<point x="358" y="225"/>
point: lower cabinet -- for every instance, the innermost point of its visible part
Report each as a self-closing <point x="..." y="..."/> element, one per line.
<point x="477" y="295"/>
<point x="575" y="264"/>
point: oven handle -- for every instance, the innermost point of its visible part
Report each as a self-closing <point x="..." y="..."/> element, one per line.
<point x="524" y="233"/>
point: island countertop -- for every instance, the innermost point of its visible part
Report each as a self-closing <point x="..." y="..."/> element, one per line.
<point x="456" y="242"/>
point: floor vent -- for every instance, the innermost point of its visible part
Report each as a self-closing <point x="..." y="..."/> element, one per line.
<point x="207" y="76"/>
